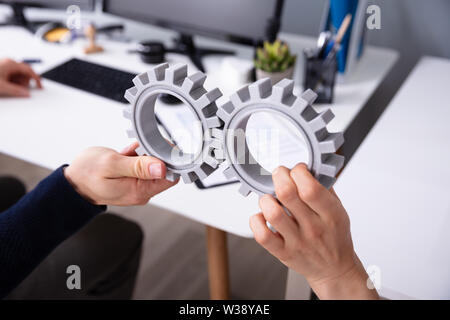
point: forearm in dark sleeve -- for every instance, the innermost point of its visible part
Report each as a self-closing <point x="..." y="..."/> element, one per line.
<point x="35" y="225"/>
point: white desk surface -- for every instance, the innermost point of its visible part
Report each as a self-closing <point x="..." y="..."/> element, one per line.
<point x="396" y="188"/>
<point x="55" y="124"/>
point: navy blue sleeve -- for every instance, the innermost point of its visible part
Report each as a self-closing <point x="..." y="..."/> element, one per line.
<point x="35" y="225"/>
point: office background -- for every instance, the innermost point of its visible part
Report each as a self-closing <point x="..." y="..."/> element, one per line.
<point x="411" y="27"/>
<point x="406" y="28"/>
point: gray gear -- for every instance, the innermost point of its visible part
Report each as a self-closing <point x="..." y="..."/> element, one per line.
<point x="141" y="111"/>
<point x="262" y="96"/>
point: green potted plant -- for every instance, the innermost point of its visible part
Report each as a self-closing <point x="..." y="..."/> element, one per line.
<point x="274" y="61"/>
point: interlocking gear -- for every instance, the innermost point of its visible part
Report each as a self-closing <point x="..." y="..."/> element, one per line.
<point x="262" y="96"/>
<point x="173" y="80"/>
<point x="219" y="138"/>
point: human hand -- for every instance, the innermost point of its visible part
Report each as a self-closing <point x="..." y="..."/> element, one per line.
<point x="104" y="176"/>
<point x="15" y="78"/>
<point x="315" y="241"/>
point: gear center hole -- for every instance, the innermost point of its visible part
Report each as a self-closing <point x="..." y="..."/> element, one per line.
<point x="273" y="140"/>
<point x="181" y="127"/>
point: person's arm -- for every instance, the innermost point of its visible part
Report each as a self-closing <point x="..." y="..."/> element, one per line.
<point x="66" y="200"/>
<point x="315" y="241"/>
<point x="35" y="225"/>
<point x="15" y="78"/>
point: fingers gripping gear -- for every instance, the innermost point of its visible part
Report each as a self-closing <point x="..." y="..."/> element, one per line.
<point x="144" y="127"/>
<point x="262" y="96"/>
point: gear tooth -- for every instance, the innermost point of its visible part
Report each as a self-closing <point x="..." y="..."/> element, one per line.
<point x="260" y="89"/>
<point x="141" y="151"/>
<point x="158" y="72"/>
<point x="240" y="96"/>
<point x="223" y="115"/>
<point x="204" y="171"/>
<point x="326" y="181"/>
<point x="244" y="189"/>
<point x="214" y="94"/>
<point x="321" y="120"/>
<point x="209" y="97"/>
<point x="332" y="142"/>
<point x="217" y="133"/>
<point x="309" y="96"/>
<point x="130" y="94"/>
<point x="229" y="173"/>
<point x="176" y="74"/>
<point x="212" y="162"/>
<point x="331" y="164"/>
<point x="171" y="176"/>
<point x="194" y="81"/>
<point x="201" y="174"/>
<point x="219" y="154"/>
<point x="131" y="134"/>
<point x="127" y="114"/>
<point x="216" y="143"/>
<point x="189" y="177"/>
<point x="283" y="90"/>
<point x="300" y="105"/>
<point x="224" y="112"/>
<point x="213" y="122"/>
<point x="141" y="80"/>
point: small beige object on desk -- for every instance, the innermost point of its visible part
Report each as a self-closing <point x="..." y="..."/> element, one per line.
<point x="92" y="46"/>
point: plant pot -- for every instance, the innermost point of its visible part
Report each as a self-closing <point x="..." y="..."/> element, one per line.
<point x="275" y="76"/>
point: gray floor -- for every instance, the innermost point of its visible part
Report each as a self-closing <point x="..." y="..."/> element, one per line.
<point x="173" y="264"/>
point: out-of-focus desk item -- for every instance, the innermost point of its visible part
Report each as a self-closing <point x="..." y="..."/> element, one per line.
<point x="396" y="188"/>
<point x="396" y="192"/>
<point x="55" y="124"/>
<point x="92" y="47"/>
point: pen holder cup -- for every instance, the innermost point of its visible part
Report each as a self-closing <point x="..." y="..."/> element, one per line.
<point x="319" y="75"/>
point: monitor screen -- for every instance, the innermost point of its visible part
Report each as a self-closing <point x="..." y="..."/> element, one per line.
<point x="54" y="4"/>
<point x="235" y="20"/>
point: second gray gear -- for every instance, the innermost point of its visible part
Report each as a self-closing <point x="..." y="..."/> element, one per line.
<point x="262" y="96"/>
<point x="173" y="80"/>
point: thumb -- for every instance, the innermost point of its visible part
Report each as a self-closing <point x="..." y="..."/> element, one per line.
<point x="13" y="90"/>
<point x="143" y="167"/>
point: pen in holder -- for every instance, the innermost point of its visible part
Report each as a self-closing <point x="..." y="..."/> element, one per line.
<point x="321" y="63"/>
<point x="320" y="74"/>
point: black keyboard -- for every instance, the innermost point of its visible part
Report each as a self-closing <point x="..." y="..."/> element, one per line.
<point x="94" y="78"/>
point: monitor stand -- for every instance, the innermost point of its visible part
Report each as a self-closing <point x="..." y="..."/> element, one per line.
<point x="184" y="44"/>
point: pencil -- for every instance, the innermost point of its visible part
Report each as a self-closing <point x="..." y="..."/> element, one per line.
<point x="343" y="28"/>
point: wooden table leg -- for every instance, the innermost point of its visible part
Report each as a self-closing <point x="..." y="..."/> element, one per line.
<point x="217" y="263"/>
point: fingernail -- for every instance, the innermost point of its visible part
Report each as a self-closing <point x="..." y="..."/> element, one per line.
<point x="155" y="170"/>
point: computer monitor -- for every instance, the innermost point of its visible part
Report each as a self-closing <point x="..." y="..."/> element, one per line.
<point x="242" y="21"/>
<point x="18" y="6"/>
<point x="53" y="4"/>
